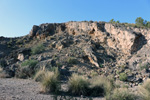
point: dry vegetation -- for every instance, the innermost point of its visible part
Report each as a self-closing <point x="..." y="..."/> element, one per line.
<point x="144" y="90"/>
<point x="78" y="85"/>
<point x="121" y="94"/>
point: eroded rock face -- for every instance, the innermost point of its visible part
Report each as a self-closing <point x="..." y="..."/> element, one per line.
<point x="108" y="49"/>
<point x="91" y="56"/>
<point x="34" y="30"/>
<point x="124" y="39"/>
<point x="120" y="39"/>
<point x="46" y="29"/>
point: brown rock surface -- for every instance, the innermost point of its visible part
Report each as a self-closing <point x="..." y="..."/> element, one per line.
<point x="116" y="37"/>
<point x="86" y="48"/>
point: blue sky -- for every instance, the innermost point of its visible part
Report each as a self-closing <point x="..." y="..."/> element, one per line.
<point x="18" y="16"/>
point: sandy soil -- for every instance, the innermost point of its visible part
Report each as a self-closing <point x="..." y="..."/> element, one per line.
<point x="26" y="89"/>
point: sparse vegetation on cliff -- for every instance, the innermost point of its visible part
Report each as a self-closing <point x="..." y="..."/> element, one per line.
<point x="139" y="22"/>
<point x="95" y="51"/>
<point x="30" y="63"/>
<point x="37" y="49"/>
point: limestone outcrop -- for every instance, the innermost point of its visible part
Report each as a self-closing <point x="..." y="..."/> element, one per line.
<point x="87" y="48"/>
<point x="125" y="39"/>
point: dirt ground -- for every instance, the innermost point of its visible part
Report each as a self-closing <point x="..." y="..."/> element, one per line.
<point x="27" y="89"/>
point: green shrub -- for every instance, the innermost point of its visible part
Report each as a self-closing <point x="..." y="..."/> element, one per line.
<point x="24" y="72"/>
<point x="100" y="86"/>
<point x="27" y="70"/>
<point x="148" y="24"/>
<point x="37" y="49"/>
<point x="30" y="63"/>
<point x="50" y="82"/>
<point x="121" y="94"/>
<point x="123" y="77"/>
<point x="145" y="90"/>
<point x="139" y="21"/>
<point x="78" y="85"/>
<point x="112" y="21"/>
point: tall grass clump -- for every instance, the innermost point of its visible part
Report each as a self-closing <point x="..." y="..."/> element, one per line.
<point x="121" y="94"/>
<point x="144" y="90"/>
<point x="78" y="85"/>
<point x="50" y="82"/>
<point x="37" y="49"/>
<point x="39" y="76"/>
<point x="100" y="86"/>
<point x="49" y="79"/>
<point x="55" y="70"/>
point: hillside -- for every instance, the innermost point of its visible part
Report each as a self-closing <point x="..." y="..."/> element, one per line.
<point x="86" y="48"/>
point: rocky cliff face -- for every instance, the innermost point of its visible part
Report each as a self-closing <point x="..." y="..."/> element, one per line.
<point x="125" y="39"/>
<point x="108" y="49"/>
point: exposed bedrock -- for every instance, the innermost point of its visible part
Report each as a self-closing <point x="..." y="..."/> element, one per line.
<point x="125" y="39"/>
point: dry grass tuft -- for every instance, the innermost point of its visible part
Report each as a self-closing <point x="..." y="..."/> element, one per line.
<point x="145" y="90"/>
<point x="100" y="86"/>
<point x="39" y="76"/>
<point x="49" y="79"/>
<point x="121" y="94"/>
<point x="50" y="82"/>
<point x="78" y="85"/>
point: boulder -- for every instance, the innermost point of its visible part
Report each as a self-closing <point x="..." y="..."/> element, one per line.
<point x="20" y="57"/>
<point x="59" y="45"/>
<point x="34" y="31"/>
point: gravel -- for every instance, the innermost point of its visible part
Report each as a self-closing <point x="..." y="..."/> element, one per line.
<point x="27" y="89"/>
